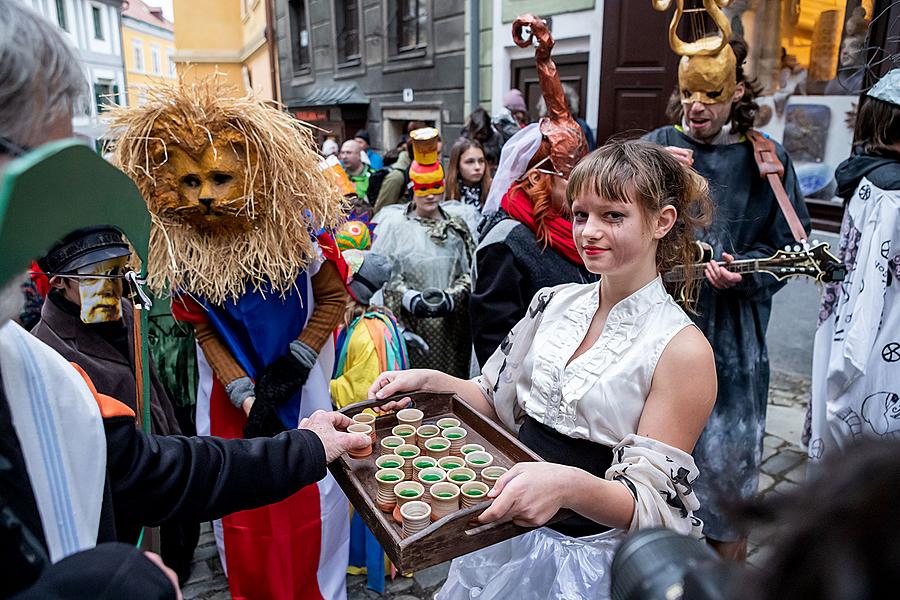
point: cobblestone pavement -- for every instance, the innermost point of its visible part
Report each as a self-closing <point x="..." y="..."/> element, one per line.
<point x="783" y="468"/>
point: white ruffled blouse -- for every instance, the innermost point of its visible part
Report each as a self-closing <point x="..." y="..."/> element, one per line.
<point x="600" y="395"/>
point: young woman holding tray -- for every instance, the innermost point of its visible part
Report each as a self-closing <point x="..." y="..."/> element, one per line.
<point x="609" y="382"/>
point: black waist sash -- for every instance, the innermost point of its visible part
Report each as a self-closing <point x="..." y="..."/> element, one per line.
<point x="586" y="455"/>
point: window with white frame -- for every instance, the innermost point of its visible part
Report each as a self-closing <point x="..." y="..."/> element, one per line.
<point x="170" y="56"/>
<point x="138" y="55"/>
<point x="61" y="14"/>
<point x="97" y="19"/>
<point x="154" y="60"/>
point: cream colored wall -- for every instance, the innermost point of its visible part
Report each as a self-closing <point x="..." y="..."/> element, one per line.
<point x="218" y="36"/>
<point x="139" y="80"/>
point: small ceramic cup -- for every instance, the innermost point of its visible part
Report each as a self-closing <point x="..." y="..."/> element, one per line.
<point x="471" y="448"/>
<point x="424" y="433"/>
<point x="361" y="428"/>
<point x="471" y="494"/>
<point x="390" y="444"/>
<point x="422" y="462"/>
<point x="448" y="463"/>
<point x="478" y="460"/>
<point x="408" y="453"/>
<point x="447" y="422"/>
<point x="386" y="480"/>
<point x="390" y="461"/>
<point x="461" y="475"/>
<point x="407" y="432"/>
<point x="410" y="416"/>
<point x="444" y="500"/>
<point x="416" y="516"/>
<point x="437" y="447"/>
<point x="366" y="419"/>
<point x="457" y="437"/>
<point x="428" y="477"/>
<point x="491" y="474"/>
<point x="406" y="491"/>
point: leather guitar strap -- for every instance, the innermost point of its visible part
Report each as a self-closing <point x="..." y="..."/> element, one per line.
<point x="770" y="168"/>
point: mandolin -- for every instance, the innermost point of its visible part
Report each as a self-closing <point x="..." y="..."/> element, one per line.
<point x="814" y="261"/>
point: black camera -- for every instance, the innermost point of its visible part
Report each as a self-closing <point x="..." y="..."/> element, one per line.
<point x="659" y="564"/>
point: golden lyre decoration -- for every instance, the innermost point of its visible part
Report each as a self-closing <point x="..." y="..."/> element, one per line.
<point x="703" y="45"/>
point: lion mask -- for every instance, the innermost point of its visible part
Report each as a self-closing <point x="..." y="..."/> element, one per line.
<point x="233" y="188"/>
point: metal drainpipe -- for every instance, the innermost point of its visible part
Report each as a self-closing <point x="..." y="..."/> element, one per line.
<point x="273" y="50"/>
<point x="474" y="54"/>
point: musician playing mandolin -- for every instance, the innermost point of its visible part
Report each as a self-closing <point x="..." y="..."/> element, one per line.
<point x="712" y="134"/>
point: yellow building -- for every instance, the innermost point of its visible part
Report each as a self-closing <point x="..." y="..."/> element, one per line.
<point x="228" y="36"/>
<point x="148" y="42"/>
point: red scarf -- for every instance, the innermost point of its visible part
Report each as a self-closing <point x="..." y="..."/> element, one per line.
<point x="518" y="205"/>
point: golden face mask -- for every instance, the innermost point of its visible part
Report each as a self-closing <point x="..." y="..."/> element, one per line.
<point x="209" y="187"/>
<point x="708" y="79"/>
<point x="101" y="297"/>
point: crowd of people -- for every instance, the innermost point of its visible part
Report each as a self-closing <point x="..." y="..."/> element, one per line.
<point x="292" y="278"/>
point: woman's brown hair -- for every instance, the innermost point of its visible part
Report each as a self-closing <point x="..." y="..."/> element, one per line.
<point x="643" y="172"/>
<point x="452" y="186"/>
<point x="877" y="125"/>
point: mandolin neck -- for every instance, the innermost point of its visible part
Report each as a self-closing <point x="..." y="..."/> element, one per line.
<point x="680" y="272"/>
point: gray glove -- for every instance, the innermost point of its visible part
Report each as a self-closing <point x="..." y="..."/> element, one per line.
<point x="239" y="390"/>
<point x="428" y="303"/>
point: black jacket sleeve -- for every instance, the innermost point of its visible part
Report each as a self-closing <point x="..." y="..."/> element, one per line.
<point x="155" y="479"/>
<point x="108" y="572"/>
<point x="496" y="303"/>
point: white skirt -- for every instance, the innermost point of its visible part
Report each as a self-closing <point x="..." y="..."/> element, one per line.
<point x="538" y="565"/>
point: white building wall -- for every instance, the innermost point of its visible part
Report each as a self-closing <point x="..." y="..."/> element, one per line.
<point x="101" y="60"/>
<point x="574" y="32"/>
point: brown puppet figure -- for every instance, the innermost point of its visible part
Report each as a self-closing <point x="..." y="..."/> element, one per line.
<point x="240" y="215"/>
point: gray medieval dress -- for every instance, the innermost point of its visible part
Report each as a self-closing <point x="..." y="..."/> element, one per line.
<point x="747" y="223"/>
<point x="429" y="253"/>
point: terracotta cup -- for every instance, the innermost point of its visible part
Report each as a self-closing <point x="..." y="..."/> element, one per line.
<point x="408" y="452"/>
<point x="471" y="493"/>
<point x="448" y="463"/>
<point x="478" y="460"/>
<point x="366" y="419"/>
<point x="461" y="475"/>
<point x="437" y="447"/>
<point x="448" y="422"/>
<point x="407" y="432"/>
<point x="416" y="516"/>
<point x="471" y="448"/>
<point x="386" y="480"/>
<point x="491" y="474"/>
<point x="430" y="476"/>
<point x="408" y="491"/>
<point x="444" y="500"/>
<point x="390" y="461"/>
<point x="422" y="462"/>
<point x="457" y="437"/>
<point x="411" y="416"/>
<point x="361" y="428"/>
<point x="424" y="433"/>
<point x="390" y="444"/>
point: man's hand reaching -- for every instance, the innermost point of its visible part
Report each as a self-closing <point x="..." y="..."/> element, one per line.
<point x="330" y="427"/>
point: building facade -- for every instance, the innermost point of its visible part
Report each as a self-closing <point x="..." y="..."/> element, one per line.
<point x="374" y="64"/>
<point x="148" y="41"/>
<point x="94" y="28"/>
<point x="812" y="58"/>
<point x="230" y="37"/>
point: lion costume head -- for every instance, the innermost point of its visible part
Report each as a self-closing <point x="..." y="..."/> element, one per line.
<point x="233" y="187"/>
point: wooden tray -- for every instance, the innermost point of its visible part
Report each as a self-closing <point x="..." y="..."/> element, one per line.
<point x="454" y="534"/>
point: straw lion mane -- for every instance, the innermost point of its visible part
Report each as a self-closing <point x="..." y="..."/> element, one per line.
<point x="233" y="188"/>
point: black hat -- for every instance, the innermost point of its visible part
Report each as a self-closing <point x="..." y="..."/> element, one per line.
<point x="362" y="133"/>
<point x="84" y="247"/>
